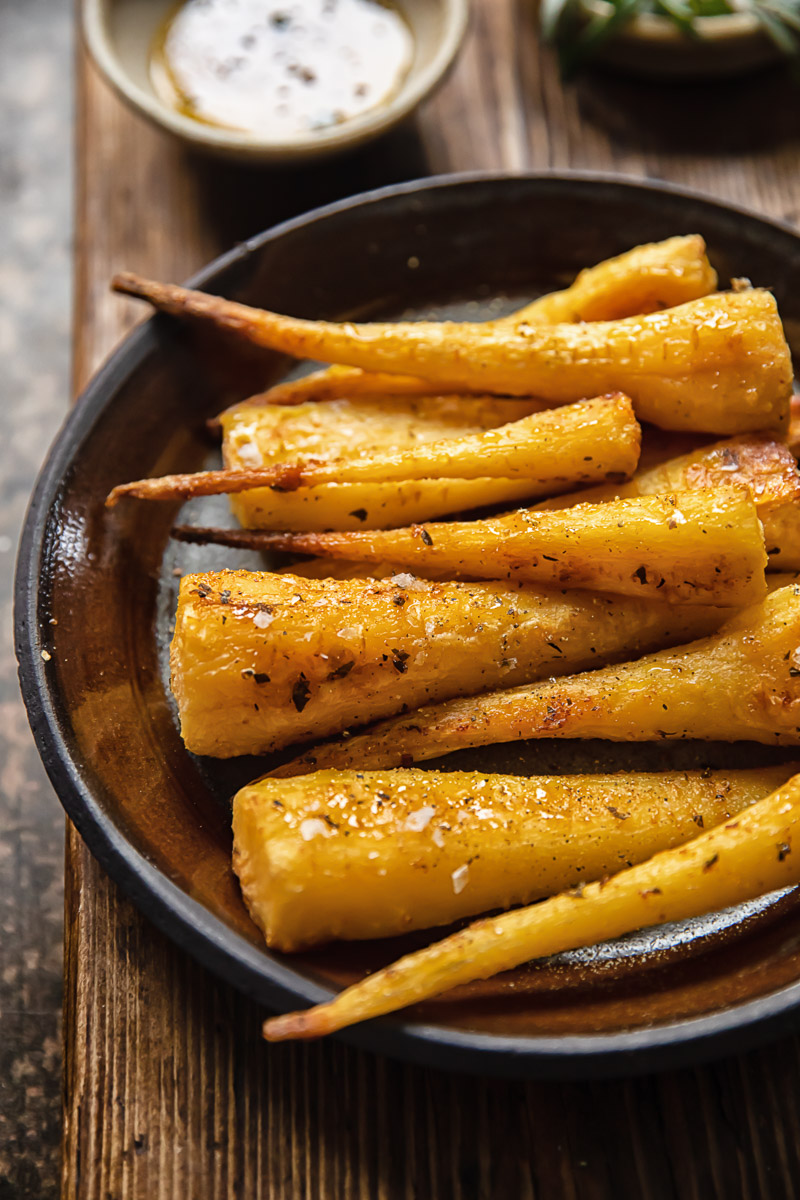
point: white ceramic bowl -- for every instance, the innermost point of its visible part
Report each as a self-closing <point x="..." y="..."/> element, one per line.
<point x="119" y="35"/>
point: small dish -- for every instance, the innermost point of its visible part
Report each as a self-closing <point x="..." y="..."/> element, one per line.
<point x="652" y="45"/>
<point x="120" y="35"/>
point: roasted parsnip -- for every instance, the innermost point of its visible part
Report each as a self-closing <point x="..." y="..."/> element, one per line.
<point x="741" y="683"/>
<point x="703" y="547"/>
<point x="793" y="436"/>
<point x="718" y="365"/>
<point x="350" y="428"/>
<point x="579" y="443"/>
<point x="260" y="661"/>
<point x="354" y="854"/>
<point x="738" y="860"/>
<point x="338" y="383"/>
<point x="766" y="467"/>
<point x="645" y="279"/>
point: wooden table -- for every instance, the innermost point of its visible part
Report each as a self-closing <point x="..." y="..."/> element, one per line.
<point x="169" y="1093"/>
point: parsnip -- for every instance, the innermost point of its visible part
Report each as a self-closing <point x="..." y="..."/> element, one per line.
<point x="645" y="279"/>
<point x="338" y="383"/>
<point x="719" y="364"/>
<point x="793" y="436"/>
<point x="703" y="547"/>
<point x="353" y="854"/>
<point x="260" y="661"/>
<point x="738" y="860"/>
<point x="741" y="683"/>
<point x="766" y="467"/>
<point x="351" y="428"/>
<point x="580" y="443"/>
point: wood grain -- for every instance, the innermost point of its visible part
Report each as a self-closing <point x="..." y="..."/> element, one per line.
<point x="169" y="1093"/>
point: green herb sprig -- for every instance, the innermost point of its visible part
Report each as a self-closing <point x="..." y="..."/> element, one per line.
<point x="565" y="25"/>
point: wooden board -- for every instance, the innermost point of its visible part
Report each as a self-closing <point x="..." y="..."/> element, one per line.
<point x="169" y="1093"/>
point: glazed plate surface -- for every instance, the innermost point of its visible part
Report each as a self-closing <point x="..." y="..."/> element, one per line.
<point x="96" y="593"/>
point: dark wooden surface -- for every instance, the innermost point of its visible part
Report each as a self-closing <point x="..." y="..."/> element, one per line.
<point x="35" y="273"/>
<point x="168" y="1090"/>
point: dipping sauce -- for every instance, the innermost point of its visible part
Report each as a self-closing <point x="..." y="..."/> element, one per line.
<point x="280" y="69"/>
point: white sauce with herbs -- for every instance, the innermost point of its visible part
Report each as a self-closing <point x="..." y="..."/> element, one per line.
<point x="280" y="69"/>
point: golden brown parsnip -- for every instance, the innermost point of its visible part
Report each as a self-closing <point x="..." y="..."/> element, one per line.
<point x="793" y="436"/>
<point x="766" y="467"/>
<point x="703" y="547"/>
<point x="260" y="661"/>
<point x="355" y="854"/>
<point x="719" y="364"/>
<point x="583" y="442"/>
<point x="742" y="683"/>
<point x="756" y="853"/>
<point x="350" y="428"/>
<point x="645" y="279"/>
<point x="337" y="383"/>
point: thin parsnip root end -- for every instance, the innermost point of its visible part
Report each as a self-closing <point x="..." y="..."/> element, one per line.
<point x="296" y="1027"/>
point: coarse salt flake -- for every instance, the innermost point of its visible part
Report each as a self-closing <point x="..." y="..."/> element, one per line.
<point x="262" y="619"/>
<point x="405" y="580"/>
<point x="417" y="821"/>
<point x="249" y="454"/>
<point x="313" y="827"/>
<point x="460" y="878"/>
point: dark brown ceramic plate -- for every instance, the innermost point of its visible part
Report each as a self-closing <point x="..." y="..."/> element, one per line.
<point x="95" y="595"/>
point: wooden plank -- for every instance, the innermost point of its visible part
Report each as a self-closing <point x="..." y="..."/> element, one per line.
<point x="169" y="1092"/>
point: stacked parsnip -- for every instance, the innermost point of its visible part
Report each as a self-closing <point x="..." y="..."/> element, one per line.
<point x="554" y="604"/>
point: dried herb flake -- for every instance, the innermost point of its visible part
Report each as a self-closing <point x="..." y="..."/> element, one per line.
<point x="300" y="693"/>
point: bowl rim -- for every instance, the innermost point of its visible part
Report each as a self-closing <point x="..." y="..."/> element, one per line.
<point x="212" y="138"/>
<point x="186" y="921"/>
<point x="655" y="27"/>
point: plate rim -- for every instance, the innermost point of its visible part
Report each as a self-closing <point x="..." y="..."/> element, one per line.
<point x="206" y="937"/>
